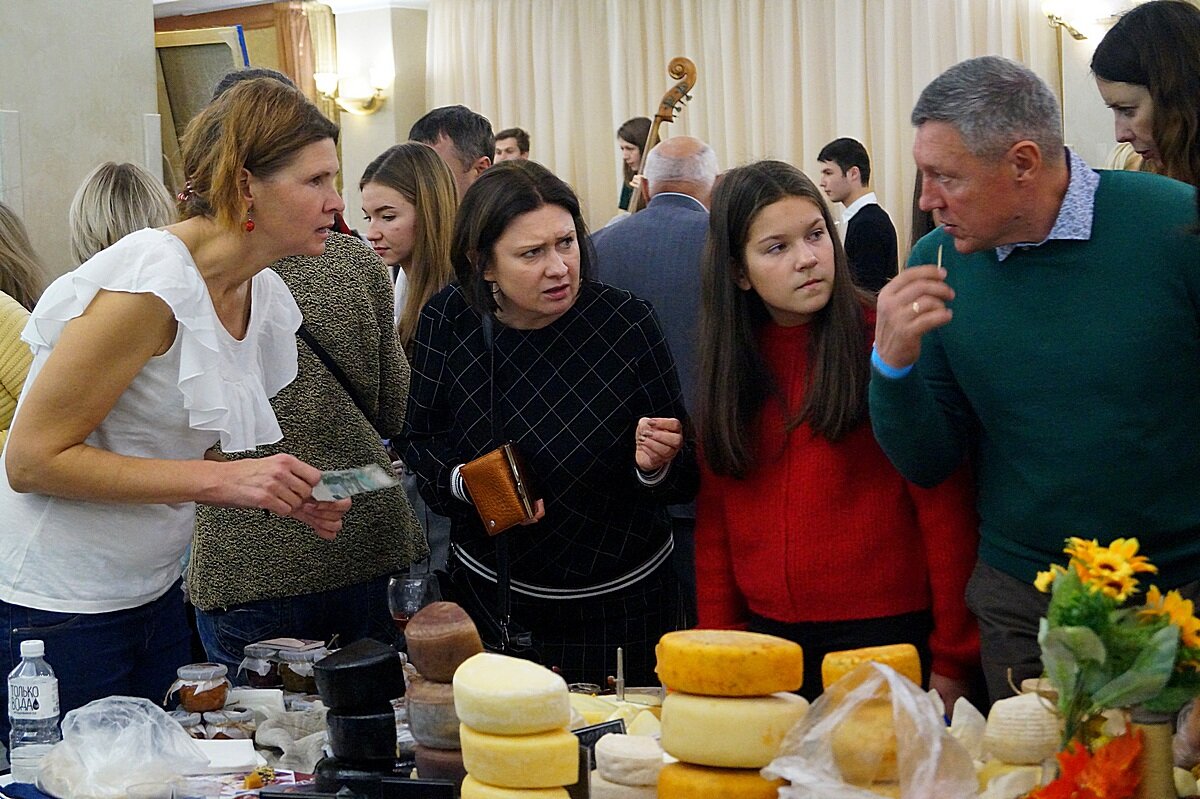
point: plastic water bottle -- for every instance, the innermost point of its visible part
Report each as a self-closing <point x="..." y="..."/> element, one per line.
<point x="32" y="711"/>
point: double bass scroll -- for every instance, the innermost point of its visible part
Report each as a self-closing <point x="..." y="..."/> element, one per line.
<point x="683" y="71"/>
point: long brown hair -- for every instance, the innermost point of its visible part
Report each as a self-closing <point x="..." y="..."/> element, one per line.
<point x="634" y="131"/>
<point x="1157" y="45"/>
<point x="21" y="273"/>
<point x="734" y="381"/>
<point x="417" y="172"/>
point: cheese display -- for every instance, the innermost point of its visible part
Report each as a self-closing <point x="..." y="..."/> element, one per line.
<point x="1023" y="729"/>
<point x="439" y="764"/>
<point x="502" y="695"/>
<point x="628" y="759"/>
<point x="596" y="709"/>
<point x="474" y="789"/>
<point x="728" y="732"/>
<point x="431" y="715"/>
<point x="603" y="789"/>
<point x="864" y="744"/>
<point x="685" y="781"/>
<point x="440" y="636"/>
<point x="901" y="657"/>
<point x="728" y="663"/>
<point x="541" y="760"/>
<point x="644" y="723"/>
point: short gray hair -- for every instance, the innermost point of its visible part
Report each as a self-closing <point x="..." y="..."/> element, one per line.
<point x="994" y="102"/>
<point x="113" y="201"/>
<point x="699" y="167"/>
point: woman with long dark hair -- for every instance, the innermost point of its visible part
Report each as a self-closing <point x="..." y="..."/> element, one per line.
<point x="631" y="138"/>
<point x="804" y="529"/>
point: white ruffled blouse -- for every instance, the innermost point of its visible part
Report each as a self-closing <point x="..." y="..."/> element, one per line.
<point x="86" y="557"/>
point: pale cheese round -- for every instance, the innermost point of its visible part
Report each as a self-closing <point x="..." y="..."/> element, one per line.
<point x="509" y="696"/>
<point x="474" y="789"/>
<point x="629" y="759"/>
<point x="603" y="789"/>
<point x="542" y="760"/>
<point x="728" y="732"/>
<point x="685" y="781"/>
<point x="728" y="663"/>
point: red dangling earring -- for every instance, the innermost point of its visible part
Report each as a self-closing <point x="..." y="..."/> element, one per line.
<point x="249" y="224"/>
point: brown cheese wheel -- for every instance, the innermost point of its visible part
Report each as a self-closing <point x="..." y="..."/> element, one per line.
<point x="440" y="764"/>
<point x="440" y="637"/>
<point x="431" y="716"/>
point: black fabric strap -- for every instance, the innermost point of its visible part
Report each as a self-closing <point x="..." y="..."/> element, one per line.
<point x="335" y="370"/>
<point x="503" y="579"/>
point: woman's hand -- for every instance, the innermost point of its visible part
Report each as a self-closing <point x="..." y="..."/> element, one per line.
<point x="279" y="483"/>
<point x="658" y="442"/>
<point x="325" y="518"/>
<point x="539" y="513"/>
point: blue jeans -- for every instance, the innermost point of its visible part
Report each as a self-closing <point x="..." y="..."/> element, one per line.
<point x="349" y="613"/>
<point x="132" y="652"/>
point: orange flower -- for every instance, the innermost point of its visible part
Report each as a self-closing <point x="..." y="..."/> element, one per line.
<point x="1109" y="774"/>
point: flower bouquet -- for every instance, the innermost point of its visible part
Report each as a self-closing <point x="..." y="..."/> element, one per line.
<point x="1101" y="654"/>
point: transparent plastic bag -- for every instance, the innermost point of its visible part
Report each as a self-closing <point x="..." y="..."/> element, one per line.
<point x="922" y="761"/>
<point x="112" y="743"/>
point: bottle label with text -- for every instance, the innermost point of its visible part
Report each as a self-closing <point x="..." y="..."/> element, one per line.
<point x="33" y="698"/>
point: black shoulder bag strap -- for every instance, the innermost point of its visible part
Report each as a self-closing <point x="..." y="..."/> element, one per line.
<point x="304" y="333"/>
<point x="503" y="580"/>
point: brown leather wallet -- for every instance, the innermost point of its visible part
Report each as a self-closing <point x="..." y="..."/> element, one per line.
<point x="501" y="487"/>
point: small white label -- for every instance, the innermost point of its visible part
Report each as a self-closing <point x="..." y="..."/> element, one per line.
<point x="33" y="698"/>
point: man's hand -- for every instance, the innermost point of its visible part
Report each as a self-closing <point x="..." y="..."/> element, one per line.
<point x="909" y="306"/>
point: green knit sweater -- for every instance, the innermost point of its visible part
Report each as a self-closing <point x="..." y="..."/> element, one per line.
<point x="1071" y="374"/>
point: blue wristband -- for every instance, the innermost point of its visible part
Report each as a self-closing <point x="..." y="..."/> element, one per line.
<point x="890" y="372"/>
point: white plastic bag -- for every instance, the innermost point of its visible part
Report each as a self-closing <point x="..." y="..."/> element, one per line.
<point x="112" y="743"/>
<point x="929" y="762"/>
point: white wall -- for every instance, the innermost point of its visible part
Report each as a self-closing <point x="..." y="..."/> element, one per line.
<point x="80" y="78"/>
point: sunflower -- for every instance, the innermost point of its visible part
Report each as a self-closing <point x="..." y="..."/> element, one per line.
<point x="1180" y="612"/>
<point x="1046" y="578"/>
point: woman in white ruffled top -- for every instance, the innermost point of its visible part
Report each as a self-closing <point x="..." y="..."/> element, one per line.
<point x="143" y="358"/>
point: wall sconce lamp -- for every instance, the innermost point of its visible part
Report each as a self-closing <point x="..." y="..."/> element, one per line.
<point x="355" y="95"/>
<point x="1057" y="12"/>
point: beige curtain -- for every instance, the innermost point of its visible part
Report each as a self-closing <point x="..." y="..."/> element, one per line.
<point x="777" y="78"/>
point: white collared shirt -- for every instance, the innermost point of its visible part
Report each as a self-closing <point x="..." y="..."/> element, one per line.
<point x="854" y="207"/>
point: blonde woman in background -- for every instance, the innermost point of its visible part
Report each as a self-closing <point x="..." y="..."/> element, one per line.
<point x="20" y="285"/>
<point x="22" y="275"/>
<point x="113" y="201"/>
<point x="409" y="201"/>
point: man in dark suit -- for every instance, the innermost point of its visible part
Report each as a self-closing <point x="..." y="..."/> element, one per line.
<point x="656" y="255"/>
<point x="867" y="230"/>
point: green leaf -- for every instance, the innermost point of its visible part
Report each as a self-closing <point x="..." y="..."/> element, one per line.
<point x="1148" y="675"/>
<point x="1065" y="651"/>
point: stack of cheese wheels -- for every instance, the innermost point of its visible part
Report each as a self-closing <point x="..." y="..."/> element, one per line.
<point x="515" y="741"/>
<point x="627" y="767"/>
<point x="440" y="637"/>
<point x="727" y="712"/>
<point x="864" y="743"/>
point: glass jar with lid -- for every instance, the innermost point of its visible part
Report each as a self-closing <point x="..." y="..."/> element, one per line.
<point x="232" y="722"/>
<point x="202" y="686"/>
<point x="296" y="669"/>
<point x="260" y="666"/>
<point x="192" y="723"/>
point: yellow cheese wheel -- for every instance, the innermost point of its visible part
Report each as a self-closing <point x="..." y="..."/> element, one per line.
<point x="509" y="696"/>
<point x="864" y="744"/>
<point x="685" y="781"/>
<point x="474" y="789"/>
<point x="728" y="732"/>
<point x="901" y="657"/>
<point x="728" y="663"/>
<point x="543" y="760"/>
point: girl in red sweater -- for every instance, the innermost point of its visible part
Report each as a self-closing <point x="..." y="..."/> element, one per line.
<point x="803" y="528"/>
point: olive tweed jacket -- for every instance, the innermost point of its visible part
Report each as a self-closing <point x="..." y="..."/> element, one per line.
<point x="241" y="555"/>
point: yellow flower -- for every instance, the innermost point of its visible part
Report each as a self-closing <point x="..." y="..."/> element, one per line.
<point x="1126" y="549"/>
<point x="1109" y="570"/>
<point x="1046" y="578"/>
<point x="1180" y="611"/>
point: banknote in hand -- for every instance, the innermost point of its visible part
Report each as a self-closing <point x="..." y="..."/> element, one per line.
<point x="345" y="483"/>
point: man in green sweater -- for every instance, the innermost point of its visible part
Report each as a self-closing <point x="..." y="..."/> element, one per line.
<point x="1054" y="325"/>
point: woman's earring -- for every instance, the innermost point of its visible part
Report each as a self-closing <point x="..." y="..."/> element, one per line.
<point x="249" y="223"/>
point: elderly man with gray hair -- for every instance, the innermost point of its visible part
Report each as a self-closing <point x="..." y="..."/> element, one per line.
<point x="1048" y="332"/>
<point x="656" y="255"/>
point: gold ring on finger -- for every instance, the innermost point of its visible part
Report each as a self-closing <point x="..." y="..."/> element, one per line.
<point x="916" y="308"/>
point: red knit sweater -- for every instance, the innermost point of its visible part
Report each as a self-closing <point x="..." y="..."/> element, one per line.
<point x="824" y="531"/>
